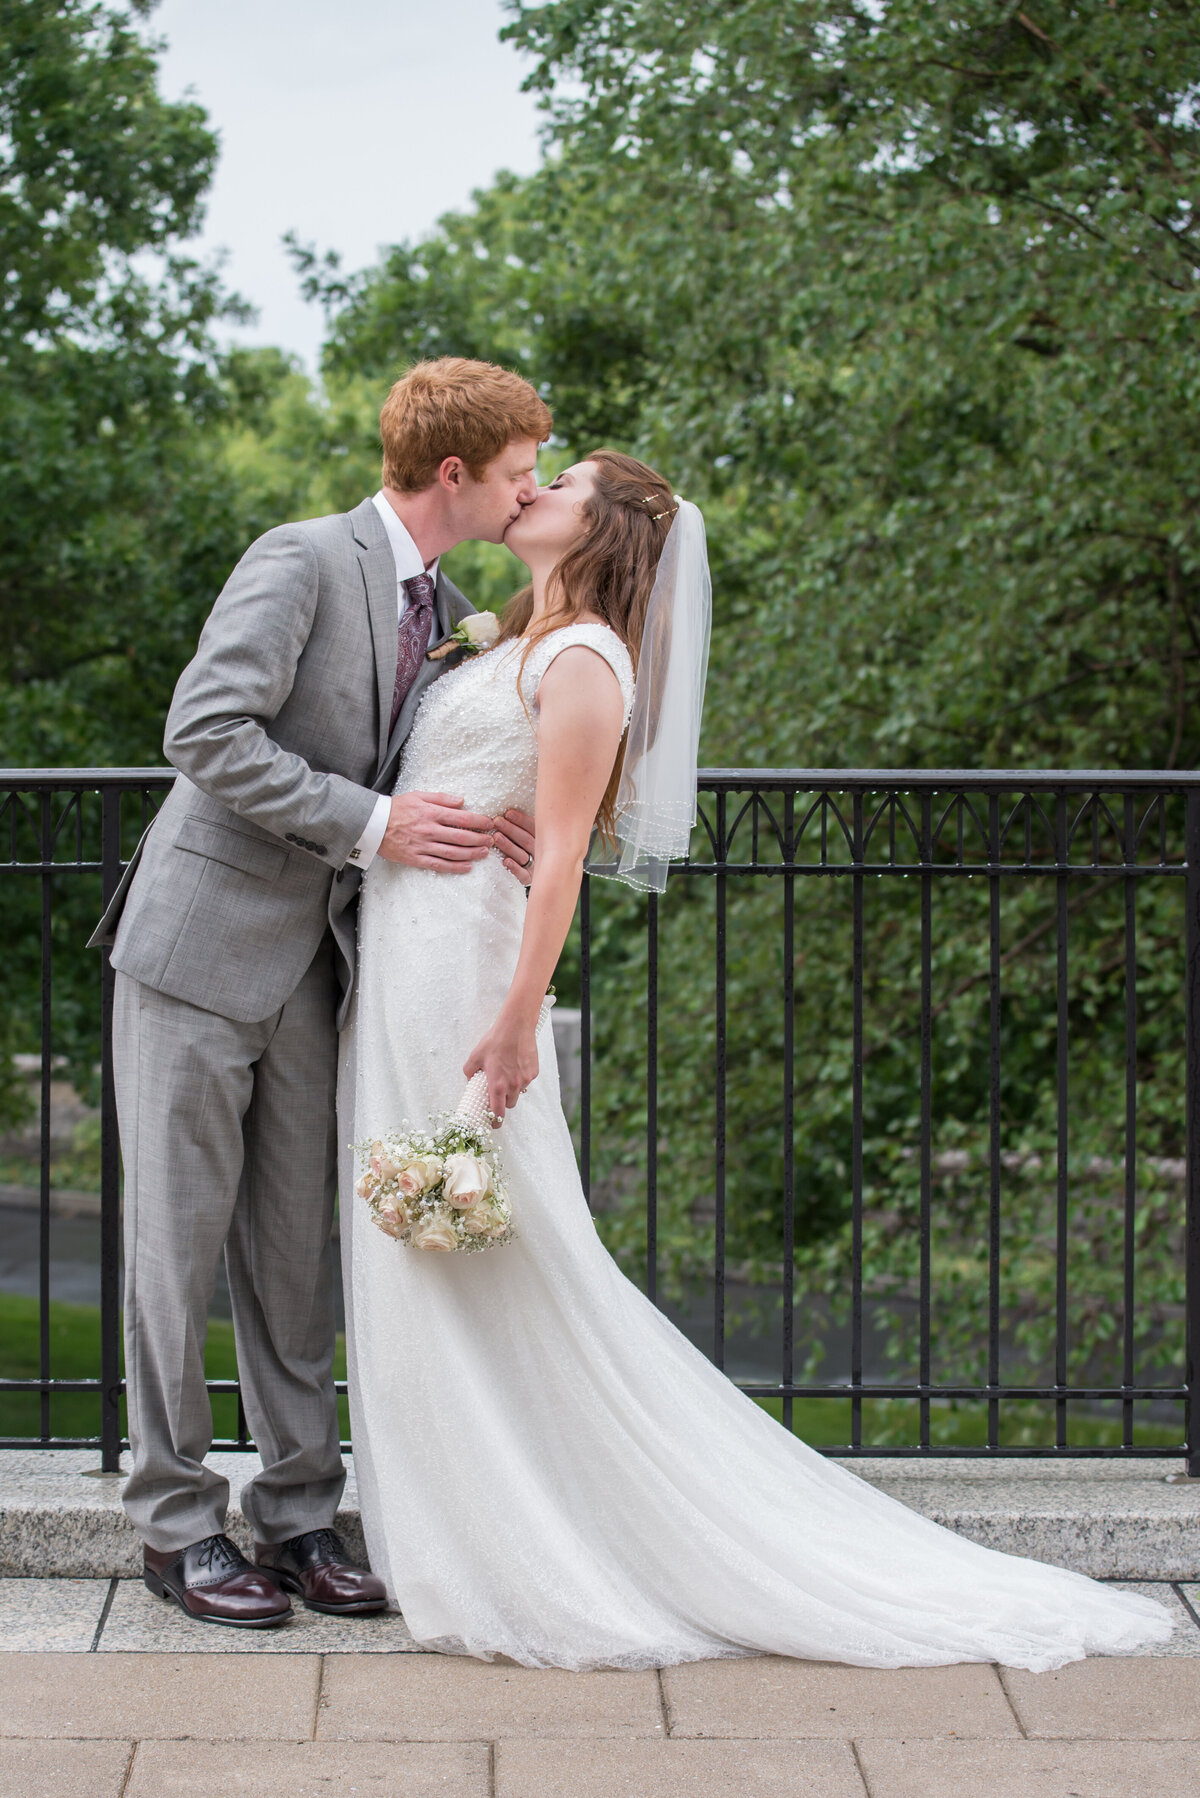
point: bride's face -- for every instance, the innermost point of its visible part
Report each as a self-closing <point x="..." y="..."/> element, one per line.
<point x="554" y="523"/>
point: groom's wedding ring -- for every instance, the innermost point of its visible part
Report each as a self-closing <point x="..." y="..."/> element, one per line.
<point x="529" y="859"/>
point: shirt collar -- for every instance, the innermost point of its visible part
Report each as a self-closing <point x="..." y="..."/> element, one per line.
<point x="405" y="553"/>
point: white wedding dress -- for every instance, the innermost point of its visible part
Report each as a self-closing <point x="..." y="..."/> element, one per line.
<point x="547" y="1469"/>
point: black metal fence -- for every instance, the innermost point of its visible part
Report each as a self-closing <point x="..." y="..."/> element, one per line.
<point x="878" y="838"/>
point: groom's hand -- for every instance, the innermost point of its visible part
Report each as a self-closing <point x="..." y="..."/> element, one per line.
<point x="513" y="837"/>
<point x="431" y="830"/>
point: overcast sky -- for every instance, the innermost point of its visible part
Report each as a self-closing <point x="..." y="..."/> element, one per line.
<point x="355" y="123"/>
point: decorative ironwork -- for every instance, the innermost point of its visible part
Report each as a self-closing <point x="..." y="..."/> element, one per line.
<point x="997" y="827"/>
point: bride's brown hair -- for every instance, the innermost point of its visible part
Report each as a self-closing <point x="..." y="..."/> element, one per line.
<point x="609" y="573"/>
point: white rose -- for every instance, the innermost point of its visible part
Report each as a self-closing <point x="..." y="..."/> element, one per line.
<point x="480" y="629"/>
<point x="466" y="1179"/>
<point x="434" y="1232"/>
<point x="392" y="1219"/>
<point x="366" y="1186"/>
<point x="419" y="1175"/>
<point x="477" y="1222"/>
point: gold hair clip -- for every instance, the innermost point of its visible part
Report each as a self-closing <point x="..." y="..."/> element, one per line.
<point x="649" y="499"/>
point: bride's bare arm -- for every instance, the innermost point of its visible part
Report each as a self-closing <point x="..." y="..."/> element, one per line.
<point x="579" y="732"/>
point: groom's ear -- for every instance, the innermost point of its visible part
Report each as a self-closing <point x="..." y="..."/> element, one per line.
<point x="453" y="474"/>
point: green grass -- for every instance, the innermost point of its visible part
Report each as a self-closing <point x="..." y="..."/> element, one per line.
<point x="1025" y="1423"/>
<point x="75" y="1354"/>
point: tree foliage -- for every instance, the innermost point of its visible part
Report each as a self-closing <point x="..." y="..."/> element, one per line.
<point x="107" y="381"/>
<point x="916" y="290"/>
<point x="118" y="511"/>
<point x="919" y="286"/>
<point x="904" y="293"/>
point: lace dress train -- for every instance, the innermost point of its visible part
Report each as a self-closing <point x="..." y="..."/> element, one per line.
<point x="547" y="1468"/>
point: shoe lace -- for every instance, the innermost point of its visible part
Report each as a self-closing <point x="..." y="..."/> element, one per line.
<point x="217" y="1551"/>
<point x="326" y="1542"/>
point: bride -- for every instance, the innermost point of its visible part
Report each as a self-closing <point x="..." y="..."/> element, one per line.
<point x="547" y="1469"/>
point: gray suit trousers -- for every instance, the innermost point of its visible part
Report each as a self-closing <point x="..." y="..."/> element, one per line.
<point x="230" y="1143"/>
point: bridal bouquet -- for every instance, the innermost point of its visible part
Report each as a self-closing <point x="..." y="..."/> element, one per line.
<point x="436" y="1189"/>
<point x="441" y="1188"/>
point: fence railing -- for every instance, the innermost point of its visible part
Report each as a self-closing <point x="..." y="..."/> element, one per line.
<point x="1089" y="878"/>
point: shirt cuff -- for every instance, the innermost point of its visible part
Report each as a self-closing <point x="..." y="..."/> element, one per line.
<point x="367" y="846"/>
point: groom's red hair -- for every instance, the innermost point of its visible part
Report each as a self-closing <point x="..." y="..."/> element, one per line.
<point x="454" y="407"/>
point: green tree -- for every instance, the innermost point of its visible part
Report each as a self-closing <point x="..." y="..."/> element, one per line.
<point x="919" y="286"/>
<point x="904" y="295"/>
<point x="107" y="380"/>
<point x="118" y="510"/>
<point x="918" y="283"/>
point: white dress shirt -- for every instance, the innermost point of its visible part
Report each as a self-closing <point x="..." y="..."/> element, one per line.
<point x="407" y="558"/>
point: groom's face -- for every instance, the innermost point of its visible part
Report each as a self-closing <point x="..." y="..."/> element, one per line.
<point x="484" y="509"/>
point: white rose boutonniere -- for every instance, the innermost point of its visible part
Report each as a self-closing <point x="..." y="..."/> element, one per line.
<point x="471" y="634"/>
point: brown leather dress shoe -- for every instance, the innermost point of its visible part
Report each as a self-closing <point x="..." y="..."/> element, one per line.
<point x="317" y="1568"/>
<point x="214" y="1583"/>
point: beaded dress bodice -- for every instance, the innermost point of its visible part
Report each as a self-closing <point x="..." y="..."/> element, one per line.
<point x="476" y="729"/>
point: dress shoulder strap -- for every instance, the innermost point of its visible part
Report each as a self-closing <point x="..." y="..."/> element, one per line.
<point x="590" y="635"/>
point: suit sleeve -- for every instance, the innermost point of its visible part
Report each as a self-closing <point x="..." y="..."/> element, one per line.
<point x="218" y="727"/>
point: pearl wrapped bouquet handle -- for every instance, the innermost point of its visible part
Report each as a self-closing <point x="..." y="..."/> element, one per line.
<point x="473" y="1108"/>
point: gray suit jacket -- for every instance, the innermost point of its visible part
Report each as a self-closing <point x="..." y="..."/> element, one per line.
<point x="279" y="730"/>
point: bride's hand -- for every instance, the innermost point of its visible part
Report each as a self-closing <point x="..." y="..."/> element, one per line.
<point x="508" y="1056"/>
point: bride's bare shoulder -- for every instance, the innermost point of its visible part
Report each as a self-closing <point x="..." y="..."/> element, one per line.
<point x="586" y="662"/>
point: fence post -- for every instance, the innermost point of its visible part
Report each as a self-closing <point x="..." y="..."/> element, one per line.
<point x="1192" y="1127"/>
<point x="46" y="854"/>
<point x="110" y="1165"/>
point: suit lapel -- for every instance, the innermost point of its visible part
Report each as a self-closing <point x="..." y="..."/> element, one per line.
<point x="379" y="580"/>
<point x="444" y="612"/>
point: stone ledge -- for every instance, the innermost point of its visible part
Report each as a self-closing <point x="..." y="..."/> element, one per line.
<point x="1109" y="1519"/>
<point x="60" y="1518"/>
<point x="1113" y="1520"/>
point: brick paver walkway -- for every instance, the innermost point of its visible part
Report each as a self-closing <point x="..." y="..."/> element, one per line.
<point x="107" y="1693"/>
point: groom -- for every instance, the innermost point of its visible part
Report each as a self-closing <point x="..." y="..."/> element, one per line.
<point x="232" y="935"/>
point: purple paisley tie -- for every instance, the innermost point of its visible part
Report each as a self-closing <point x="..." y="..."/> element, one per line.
<point x="416" y="627"/>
